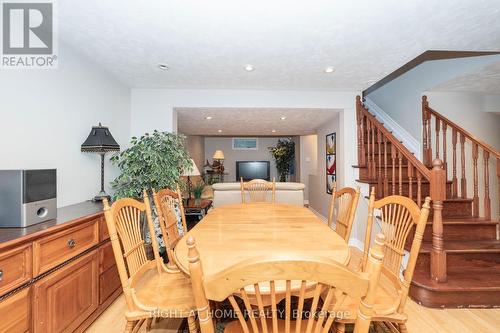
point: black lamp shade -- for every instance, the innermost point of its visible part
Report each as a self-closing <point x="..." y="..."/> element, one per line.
<point x="100" y="140"/>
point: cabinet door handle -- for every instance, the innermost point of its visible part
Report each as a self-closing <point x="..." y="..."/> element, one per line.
<point x="1" y="275"/>
<point x="71" y="243"/>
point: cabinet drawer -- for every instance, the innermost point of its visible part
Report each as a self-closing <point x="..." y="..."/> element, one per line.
<point x="52" y="250"/>
<point x="15" y="268"/>
<point x="15" y="312"/>
<point x="67" y="297"/>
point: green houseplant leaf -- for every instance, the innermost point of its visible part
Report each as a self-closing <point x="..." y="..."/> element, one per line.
<point x="284" y="156"/>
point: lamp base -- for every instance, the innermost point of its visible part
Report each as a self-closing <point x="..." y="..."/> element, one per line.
<point x="100" y="197"/>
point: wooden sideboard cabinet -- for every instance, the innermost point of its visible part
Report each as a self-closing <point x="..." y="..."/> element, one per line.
<point x="57" y="276"/>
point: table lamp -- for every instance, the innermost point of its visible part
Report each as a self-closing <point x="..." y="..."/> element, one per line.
<point x="188" y="172"/>
<point x="219" y="158"/>
<point x="100" y="141"/>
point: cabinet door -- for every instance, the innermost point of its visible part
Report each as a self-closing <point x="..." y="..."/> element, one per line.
<point x="15" y="312"/>
<point x="65" y="298"/>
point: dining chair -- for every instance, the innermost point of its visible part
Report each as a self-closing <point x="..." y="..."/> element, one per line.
<point x="151" y="290"/>
<point x="343" y="205"/>
<point x="338" y="281"/>
<point x="169" y="209"/>
<point x="397" y="217"/>
<point x="257" y="190"/>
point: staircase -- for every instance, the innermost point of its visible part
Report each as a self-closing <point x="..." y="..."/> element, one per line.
<point x="459" y="261"/>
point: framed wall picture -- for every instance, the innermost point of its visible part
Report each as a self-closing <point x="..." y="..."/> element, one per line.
<point x="331" y="161"/>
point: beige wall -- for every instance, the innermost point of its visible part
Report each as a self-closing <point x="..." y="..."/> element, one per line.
<point x="196" y="148"/>
<point x="308" y="160"/>
<point x="231" y="156"/>
<point x="318" y="198"/>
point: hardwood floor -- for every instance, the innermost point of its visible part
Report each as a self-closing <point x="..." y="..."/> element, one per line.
<point x="421" y="319"/>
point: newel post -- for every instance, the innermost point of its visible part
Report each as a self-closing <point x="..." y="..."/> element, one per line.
<point x="426" y="130"/>
<point x="360" y="131"/>
<point x="438" y="195"/>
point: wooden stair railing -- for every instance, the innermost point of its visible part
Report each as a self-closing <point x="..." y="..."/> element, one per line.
<point x="441" y="124"/>
<point x="379" y="159"/>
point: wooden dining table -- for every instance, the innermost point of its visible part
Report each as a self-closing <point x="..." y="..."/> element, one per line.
<point x="231" y="234"/>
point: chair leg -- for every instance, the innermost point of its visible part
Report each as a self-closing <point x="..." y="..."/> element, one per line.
<point x="192" y="324"/>
<point x="339" y="328"/>
<point x="402" y="328"/>
<point x="129" y="327"/>
<point x="149" y="322"/>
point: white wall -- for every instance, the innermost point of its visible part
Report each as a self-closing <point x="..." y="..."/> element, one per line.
<point x="401" y="98"/>
<point x="47" y="114"/>
<point x="231" y="156"/>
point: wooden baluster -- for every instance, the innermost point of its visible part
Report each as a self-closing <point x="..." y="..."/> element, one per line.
<point x="438" y="195"/>
<point x="426" y="131"/>
<point x="445" y="161"/>
<point x="498" y="184"/>
<point x="475" y="198"/>
<point x="400" y="173"/>
<point x="419" y="189"/>
<point x="363" y="149"/>
<point x="487" y="202"/>
<point x="454" y="185"/>
<point x="410" y="179"/>
<point x="463" y="181"/>
<point x="386" y="179"/>
<point x="368" y="136"/>
<point x="438" y="124"/>
<point x="393" y="158"/>
<point x="374" y="162"/>
<point x="379" y="166"/>
<point x="359" y="121"/>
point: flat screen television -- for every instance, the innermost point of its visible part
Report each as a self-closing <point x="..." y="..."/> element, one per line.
<point x="253" y="170"/>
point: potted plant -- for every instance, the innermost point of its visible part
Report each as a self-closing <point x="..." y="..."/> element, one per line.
<point x="152" y="161"/>
<point x="197" y="192"/>
<point x="284" y="156"/>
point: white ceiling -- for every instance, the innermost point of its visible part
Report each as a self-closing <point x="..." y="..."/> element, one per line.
<point x="290" y="42"/>
<point x="251" y="121"/>
<point x="483" y="80"/>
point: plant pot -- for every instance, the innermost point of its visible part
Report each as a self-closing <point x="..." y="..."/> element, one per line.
<point x="197" y="201"/>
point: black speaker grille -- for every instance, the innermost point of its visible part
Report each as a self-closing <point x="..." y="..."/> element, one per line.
<point x="39" y="185"/>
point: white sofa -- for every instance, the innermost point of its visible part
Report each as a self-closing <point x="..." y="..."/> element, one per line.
<point x="230" y="193"/>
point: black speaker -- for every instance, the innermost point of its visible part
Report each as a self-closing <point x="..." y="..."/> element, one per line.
<point x="27" y="197"/>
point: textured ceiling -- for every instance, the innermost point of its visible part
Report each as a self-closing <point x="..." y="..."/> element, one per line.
<point x="207" y="43"/>
<point x="483" y="80"/>
<point x="251" y="121"/>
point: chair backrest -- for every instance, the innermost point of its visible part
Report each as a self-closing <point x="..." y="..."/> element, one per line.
<point x="343" y="205"/>
<point x="257" y="190"/>
<point x="168" y="203"/>
<point x="125" y="219"/>
<point x="398" y="216"/>
<point x="327" y="277"/>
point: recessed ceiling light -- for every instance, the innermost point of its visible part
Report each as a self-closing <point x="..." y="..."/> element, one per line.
<point x="274" y="131"/>
<point x="282" y="117"/>
<point x="163" y="67"/>
<point x="249" y="68"/>
<point x="208" y="118"/>
<point x="329" y="69"/>
<point x="220" y="131"/>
